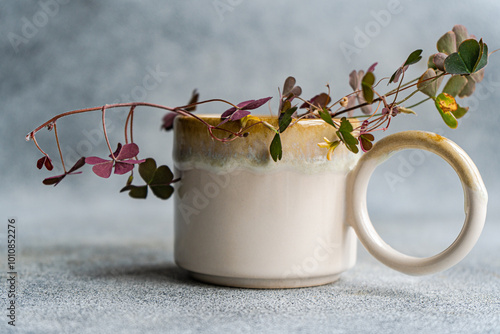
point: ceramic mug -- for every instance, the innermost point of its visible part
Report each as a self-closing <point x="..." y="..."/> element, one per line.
<point x="243" y="220"/>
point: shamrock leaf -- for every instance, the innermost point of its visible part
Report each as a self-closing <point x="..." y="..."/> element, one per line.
<point x="449" y="44"/>
<point x="286" y="118"/>
<point x="245" y="105"/>
<point x="460" y="112"/>
<point x="290" y="90"/>
<point x="455" y="85"/>
<point x="355" y="81"/>
<point x="367" y="86"/>
<point x="470" y="57"/>
<point x="345" y="135"/>
<point x="413" y="58"/>
<point x="320" y="101"/>
<point x="44" y="161"/>
<point x="446" y="105"/>
<point x="325" y="115"/>
<point x="159" y="180"/>
<point x="275" y="148"/>
<point x="123" y="162"/>
<point x="437" y="60"/>
<point x="427" y="85"/>
<point x="365" y="141"/>
<point x="58" y="178"/>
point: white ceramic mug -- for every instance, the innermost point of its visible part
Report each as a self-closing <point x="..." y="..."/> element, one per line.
<point x="243" y="220"/>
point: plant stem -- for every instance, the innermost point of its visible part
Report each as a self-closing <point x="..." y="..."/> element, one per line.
<point x="388" y="94"/>
<point x="59" y="148"/>
<point x="37" y="146"/>
<point x="105" y="132"/>
<point x="132" y="123"/>
<point x="418" y="103"/>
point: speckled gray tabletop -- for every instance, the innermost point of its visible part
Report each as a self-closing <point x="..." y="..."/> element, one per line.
<point x="119" y="277"/>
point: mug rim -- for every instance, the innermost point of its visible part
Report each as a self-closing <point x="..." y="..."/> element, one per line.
<point x="195" y="148"/>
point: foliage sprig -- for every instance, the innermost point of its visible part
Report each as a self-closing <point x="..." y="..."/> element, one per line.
<point x="460" y="59"/>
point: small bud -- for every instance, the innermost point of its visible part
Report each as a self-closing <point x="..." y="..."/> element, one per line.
<point x="245" y="134"/>
<point x="439" y="59"/>
<point x="344" y="101"/>
<point x="406" y="110"/>
<point x="364" y="125"/>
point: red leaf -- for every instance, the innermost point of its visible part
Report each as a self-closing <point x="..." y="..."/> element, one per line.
<point x="228" y="112"/>
<point x="168" y="120"/>
<point x="239" y="115"/>
<point x="95" y="160"/>
<point x="53" y="180"/>
<point x="79" y="164"/>
<point x="117" y="151"/>
<point x="122" y="168"/>
<point x="44" y="161"/>
<point x="125" y="166"/>
<point x="254" y="104"/>
<point x="245" y="105"/>
<point x="372" y="68"/>
<point x="103" y="169"/>
<point x="128" y="151"/>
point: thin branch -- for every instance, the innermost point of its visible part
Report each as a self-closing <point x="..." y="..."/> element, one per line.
<point x="59" y="148"/>
<point x="126" y="127"/>
<point x="37" y="146"/>
<point x="105" y="132"/>
<point x="419" y="103"/>
<point x="132" y="123"/>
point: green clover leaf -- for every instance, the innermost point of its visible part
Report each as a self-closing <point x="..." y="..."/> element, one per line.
<point x="157" y="179"/>
<point x="446" y="105"/>
<point x="345" y="135"/>
<point x="470" y="58"/>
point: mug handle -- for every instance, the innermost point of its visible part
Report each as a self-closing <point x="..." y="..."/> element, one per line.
<point x="475" y="194"/>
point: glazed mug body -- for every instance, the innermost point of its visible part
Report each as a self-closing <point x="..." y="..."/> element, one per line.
<point x="242" y="219"/>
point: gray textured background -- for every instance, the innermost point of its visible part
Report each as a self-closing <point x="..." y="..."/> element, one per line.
<point x="88" y="53"/>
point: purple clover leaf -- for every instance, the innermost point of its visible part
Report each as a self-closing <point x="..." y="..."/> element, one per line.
<point x="123" y="162"/>
<point x="355" y="79"/>
<point x="320" y="101"/>
<point x="234" y="114"/>
<point x="58" y="178"/>
<point x="44" y="161"/>
<point x="168" y="121"/>
<point x="290" y="91"/>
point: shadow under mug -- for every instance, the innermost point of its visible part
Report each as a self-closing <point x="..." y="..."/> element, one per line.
<point x="243" y="220"/>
